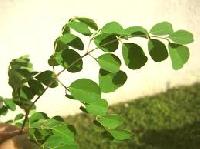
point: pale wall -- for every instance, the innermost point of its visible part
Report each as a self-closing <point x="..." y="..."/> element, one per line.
<point x="31" y="26"/>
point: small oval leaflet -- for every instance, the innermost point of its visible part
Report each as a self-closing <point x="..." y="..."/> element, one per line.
<point x="109" y="82"/>
<point x="179" y="55"/>
<point x="110" y="121"/>
<point x="109" y="62"/>
<point x="182" y="37"/>
<point x="133" y="55"/>
<point x="163" y="28"/>
<point x="157" y="50"/>
<point x="85" y="90"/>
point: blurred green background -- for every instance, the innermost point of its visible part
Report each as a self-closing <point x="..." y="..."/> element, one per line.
<point x="169" y="120"/>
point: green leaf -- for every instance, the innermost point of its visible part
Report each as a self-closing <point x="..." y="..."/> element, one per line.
<point x="25" y="73"/>
<point x="182" y="37"/>
<point x="99" y="107"/>
<point x="120" y="135"/>
<point x="51" y="128"/>
<point x="9" y="103"/>
<point x="133" y="55"/>
<point x="65" y="29"/>
<point x="58" y="142"/>
<point x="163" y="28"/>
<point x="52" y="61"/>
<point x="18" y="70"/>
<point x="56" y="59"/>
<point x="113" y="28"/>
<point x="179" y="55"/>
<point x="109" y="82"/>
<point x="26" y="93"/>
<point x="80" y="27"/>
<point x="89" y="22"/>
<point x="72" y="61"/>
<point x="106" y="42"/>
<point x="22" y="62"/>
<point x="48" y="78"/>
<point x="19" y="117"/>
<point x="58" y="118"/>
<point x="36" y="87"/>
<point x="69" y="39"/>
<point x="85" y="90"/>
<point x="24" y="97"/>
<point x="69" y="96"/>
<point x="136" y="31"/>
<point x="157" y="50"/>
<point x="82" y="108"/>
<point x="109" y="62"/>
<point x="37" y="116"/>
<point x="18" y="120"/>
<point x="59" y="45"/>
<point x="3" y="110"/>
<point x="110" y="121"/>
<point x="59" y="129"/>
<point x="39" y="135"/>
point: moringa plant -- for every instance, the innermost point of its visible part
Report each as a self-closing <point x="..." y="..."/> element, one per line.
<point x="29" y="85"/>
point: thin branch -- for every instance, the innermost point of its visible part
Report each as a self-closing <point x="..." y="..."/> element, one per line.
<point x="66" y="88"/>
<point x="27" y="112"/>
<point x="93" y="57"/>
<point x="165" y="38"/>
<point x="58" y="74"/>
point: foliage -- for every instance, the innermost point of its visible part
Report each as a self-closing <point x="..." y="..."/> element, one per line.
<point x="169" y="120"/>
<point x="29" y="85"/>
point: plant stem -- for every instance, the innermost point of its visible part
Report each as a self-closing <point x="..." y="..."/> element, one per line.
<point x="165" y="38"/>
<point x="93" y="57"/>
<point x="27" y="112"/>
<point x="66" y="88"/>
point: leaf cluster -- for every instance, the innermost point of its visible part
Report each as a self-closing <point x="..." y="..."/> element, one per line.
<point x="29" y="85"/>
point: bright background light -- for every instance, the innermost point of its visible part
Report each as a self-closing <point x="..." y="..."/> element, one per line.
<point x="31" y="26"/>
